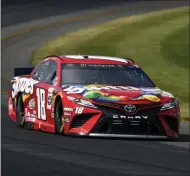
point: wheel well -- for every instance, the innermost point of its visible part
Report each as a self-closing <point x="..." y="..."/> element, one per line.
<point x="18" y="95"/>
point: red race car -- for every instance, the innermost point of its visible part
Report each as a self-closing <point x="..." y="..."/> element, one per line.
<point x="92" y="96"/>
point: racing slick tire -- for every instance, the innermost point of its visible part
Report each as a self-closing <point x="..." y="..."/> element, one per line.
<point x="58" y="116"/>
<point x="20" y="112"/>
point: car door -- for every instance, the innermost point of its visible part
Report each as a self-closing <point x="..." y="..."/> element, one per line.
<point x="46" y="74"/>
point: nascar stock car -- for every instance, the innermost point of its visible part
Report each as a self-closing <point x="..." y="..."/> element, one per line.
<point x="92" y="96"/>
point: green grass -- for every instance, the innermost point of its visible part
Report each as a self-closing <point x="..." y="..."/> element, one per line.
<point x="157" y="41"/>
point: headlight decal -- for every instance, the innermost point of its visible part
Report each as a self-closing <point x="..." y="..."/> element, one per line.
<point x="81" y="102"/>
<point x="168" y="106"/>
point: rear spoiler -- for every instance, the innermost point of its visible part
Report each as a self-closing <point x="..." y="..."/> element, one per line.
<point x="23" y="71"/>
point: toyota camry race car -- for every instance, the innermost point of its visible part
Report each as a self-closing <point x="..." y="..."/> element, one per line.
<point x="92" y="96"/>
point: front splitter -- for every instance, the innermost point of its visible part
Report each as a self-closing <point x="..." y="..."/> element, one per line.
<point x="127" y="136"/>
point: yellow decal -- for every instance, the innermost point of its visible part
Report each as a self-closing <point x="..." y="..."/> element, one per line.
<point x="151" y="98"/>
<point x="62" y="126"/>
<point x="94" y="85"/>
<point x="25" y="97"/>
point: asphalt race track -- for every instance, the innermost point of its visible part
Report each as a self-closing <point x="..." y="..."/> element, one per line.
<point x="28" y="153"/>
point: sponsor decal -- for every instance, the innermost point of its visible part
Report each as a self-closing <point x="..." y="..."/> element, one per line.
<point x="129" y="117"/>
<point x="33" y="115"/>
<point x="85" y="103"/>
<point x="68" y="109"/>
<point x="152" y="90"/>
<point x="151" y="98"/>
<point x="66" y="119"/>
<point x="23" y="85"/>
<point x="30" y="119"/>
<point x="50" y="97"/>
<point x="67" y="114"/>
<point x="31" y="103"/>
<point x="71" y="98"/>
<point x="15" y="78"/>
<point x="102" y="96"/>
<point x="98" y="66"/>
<point x="138" y="98"/>
<point x="75" y="89"/>
<point x="130" y="108"/>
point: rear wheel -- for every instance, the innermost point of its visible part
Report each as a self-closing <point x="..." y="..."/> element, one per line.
<point x="58" y="116"/>
<point x="20" y="112"/>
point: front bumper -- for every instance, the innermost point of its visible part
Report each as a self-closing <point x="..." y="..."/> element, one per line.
<point x="152" y="127"/>
<point x="123" y="136"/>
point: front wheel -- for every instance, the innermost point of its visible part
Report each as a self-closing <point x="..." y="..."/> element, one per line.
<point x="20" y="112"/>
<point x="58" y="116"/>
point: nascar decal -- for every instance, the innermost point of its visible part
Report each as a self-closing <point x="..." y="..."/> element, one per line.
<point x="79" y="89"/>
<point x="23" y="85"/>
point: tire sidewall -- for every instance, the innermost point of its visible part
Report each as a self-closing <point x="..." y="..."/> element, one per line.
<point x="59" y="124"/>
<point x="19" y="110"/>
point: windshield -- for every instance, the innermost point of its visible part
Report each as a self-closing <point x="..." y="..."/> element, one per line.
<point x="104" y="74"/>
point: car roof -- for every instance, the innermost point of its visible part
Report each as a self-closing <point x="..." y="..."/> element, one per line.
<point x="91" y="59"/>
<point x="95" y="59"/>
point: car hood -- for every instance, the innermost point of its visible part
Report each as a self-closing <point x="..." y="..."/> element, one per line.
<point x="117" y="94"/>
